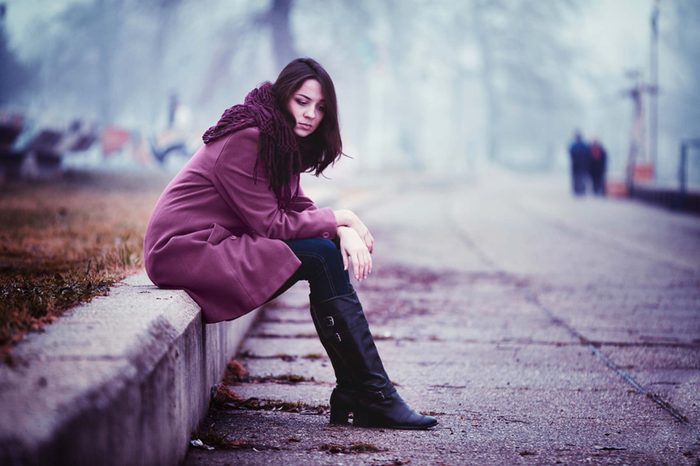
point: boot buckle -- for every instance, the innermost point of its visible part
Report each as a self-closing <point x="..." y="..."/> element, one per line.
<point x="330" y="322"/>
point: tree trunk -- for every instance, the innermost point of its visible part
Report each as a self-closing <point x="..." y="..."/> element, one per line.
<point x="282" y="40"/>
<point x="107" y="46"/>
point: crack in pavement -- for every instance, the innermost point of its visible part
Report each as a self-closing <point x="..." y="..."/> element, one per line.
<point x="656" y="398"/>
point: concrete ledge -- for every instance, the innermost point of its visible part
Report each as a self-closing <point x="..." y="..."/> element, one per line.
<point x="122" y="380"/>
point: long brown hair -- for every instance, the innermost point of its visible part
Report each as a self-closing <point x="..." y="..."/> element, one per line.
<point x="281" y="153"/>
<point x="324" y="146"/>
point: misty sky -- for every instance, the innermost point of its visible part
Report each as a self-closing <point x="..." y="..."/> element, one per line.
<point x="624" y="23"/>
<point x="607" y="37"/>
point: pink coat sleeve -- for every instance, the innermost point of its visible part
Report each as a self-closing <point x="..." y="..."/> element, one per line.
<point x="253" y="200"/>
<point x="302" y="202"/>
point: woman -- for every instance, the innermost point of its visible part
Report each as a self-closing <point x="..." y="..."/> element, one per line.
<point x="234" y="229"/>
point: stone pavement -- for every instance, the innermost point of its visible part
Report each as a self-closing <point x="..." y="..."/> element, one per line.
<point x="538" y="329"/>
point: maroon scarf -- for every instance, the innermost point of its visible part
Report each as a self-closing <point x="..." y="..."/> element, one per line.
<point x="279" y="148"/>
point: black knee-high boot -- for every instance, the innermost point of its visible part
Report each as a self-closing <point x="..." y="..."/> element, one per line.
<point x="344" y="384"/>
<point x="363" y="387"/>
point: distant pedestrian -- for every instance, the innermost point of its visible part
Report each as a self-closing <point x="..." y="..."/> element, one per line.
<point x="579" y="152"/>
<point x="235" y="230"/>
<point x="597" y="166"/>
<point x="176" y="137"/>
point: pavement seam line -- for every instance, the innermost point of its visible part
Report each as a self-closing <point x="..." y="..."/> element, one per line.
<point x="656" y="398"/>
<point x="628" y="378"/>
<point x="464" y="237"/>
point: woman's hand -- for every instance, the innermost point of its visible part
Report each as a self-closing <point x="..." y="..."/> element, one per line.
<point x="353" y="249"/>
<point x="345" y="217"/>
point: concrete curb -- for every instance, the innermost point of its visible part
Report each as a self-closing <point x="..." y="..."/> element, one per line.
<point x="124" y="379"/>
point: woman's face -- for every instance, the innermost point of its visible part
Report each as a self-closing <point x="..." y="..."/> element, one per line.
<point x="307" y="107"/>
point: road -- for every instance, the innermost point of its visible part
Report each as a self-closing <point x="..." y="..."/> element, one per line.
<point x="538" y="329"/>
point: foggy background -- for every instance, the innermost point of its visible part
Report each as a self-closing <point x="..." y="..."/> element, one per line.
<point x="438" y="86"/>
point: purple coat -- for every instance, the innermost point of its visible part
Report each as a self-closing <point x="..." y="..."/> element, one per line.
<point x="218" y="235"/>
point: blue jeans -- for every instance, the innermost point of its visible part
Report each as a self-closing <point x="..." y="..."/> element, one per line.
<point x="322" y="266"/>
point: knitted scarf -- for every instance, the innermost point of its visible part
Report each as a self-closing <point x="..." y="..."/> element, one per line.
<point x="279" y="148"/>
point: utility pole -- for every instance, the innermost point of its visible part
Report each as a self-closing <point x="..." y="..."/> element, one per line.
<point x="654" y="78"/>
<point x="638" y="164"/>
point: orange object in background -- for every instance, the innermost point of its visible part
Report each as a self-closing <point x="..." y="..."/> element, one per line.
<point x="114" y="139"/>
<point x="616" y="188"/>
<point x="643" y="171"/>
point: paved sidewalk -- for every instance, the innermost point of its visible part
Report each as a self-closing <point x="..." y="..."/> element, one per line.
<point x="538" y="329"/>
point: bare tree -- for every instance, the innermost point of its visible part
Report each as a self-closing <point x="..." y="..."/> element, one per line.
<point x="278" y="21"/>
<point x="15" y="76"/>
<point x="241" y="35"/>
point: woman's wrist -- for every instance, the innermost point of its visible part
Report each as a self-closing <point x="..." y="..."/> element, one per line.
<point x="344" y="217"/>
<point x="342" y="230"/>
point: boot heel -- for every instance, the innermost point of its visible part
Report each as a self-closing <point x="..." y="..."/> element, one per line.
<point x="339" y="415"/>
<point x="363" y="418"/>
<point x="340" y="409"/>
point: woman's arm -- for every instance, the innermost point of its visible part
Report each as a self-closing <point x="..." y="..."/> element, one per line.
<point x="344" y="217"/>
<point x="254" y="202"/>
<point x="301" y="201"/>
<point x="348" y="218"/>
<point x="354" y="250"/>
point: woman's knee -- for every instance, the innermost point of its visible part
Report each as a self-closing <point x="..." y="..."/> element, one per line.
<point x="325" y="253"/>
<point x="322" y="266"/>
<point x="317" y="252"/>
<point x="327" y="249"/>
<point x="327" y="276"/>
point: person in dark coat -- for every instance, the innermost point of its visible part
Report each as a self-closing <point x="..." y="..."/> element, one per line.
<point x="234" y="229"/>
<point x="597" y="166"/>
<point x="578" y="150"/>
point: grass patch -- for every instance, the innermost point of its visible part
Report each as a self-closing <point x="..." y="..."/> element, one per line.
<point x="285" y="379"/>
<point x="257" y="404"/>
<point x="223" y="395"/>
<point x="283" y="356"/>
<point x="64" y="242"/>
<point x="354" y="448"/>
<point x="235" y="373"/>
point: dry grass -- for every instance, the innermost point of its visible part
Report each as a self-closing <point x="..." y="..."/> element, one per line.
<point x="65" y="242"/>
